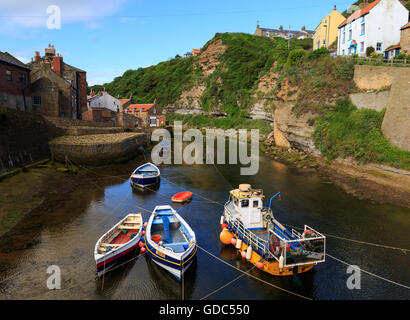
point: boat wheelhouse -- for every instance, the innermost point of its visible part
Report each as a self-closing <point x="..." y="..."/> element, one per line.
<point x="253" y="229"/>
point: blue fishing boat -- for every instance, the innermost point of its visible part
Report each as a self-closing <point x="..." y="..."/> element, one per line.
<point x="170" y="241"/>
<point x="145" y="176"/>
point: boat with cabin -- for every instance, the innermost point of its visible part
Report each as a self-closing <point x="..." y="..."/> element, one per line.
<point x="265" y="242"/>
<point x="120" y="240"/>
<point x="170" y="241"/>
<point x="145" y="176"/>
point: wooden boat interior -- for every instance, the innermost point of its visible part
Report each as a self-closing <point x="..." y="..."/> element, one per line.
<point x="121" y="234"/>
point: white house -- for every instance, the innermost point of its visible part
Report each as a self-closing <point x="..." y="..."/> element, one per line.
<point x="376" y="25"/>
<point x="104" y="100"/>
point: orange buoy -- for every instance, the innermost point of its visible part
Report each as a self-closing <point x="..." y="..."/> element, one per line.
<point x="259" y="265"/>
<point x="143" y="232"/>
<point x="243" y="254"/>
<point x="143" y="249"/>
<point x="233" y="241"/>
<point x="223" y="226"/>
<point x="141" y="244"/>
<point x="225" y="236"/>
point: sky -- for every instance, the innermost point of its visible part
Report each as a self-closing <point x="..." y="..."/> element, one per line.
<point x="106" y="38"/>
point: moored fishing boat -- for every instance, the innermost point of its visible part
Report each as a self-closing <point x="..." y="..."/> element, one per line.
<point x="120" y="240"/>
<point x="265" y="242"/>
<point x="182" y="197"/>
<point x="145" y="176"/>
<point x="170" y="241"/>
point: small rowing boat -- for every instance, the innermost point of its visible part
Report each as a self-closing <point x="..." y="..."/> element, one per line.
<point x="170" y="241"/>
<point x="144" y="176"/>
<point x="120" y="240"/>
<point x="182" y="197"/>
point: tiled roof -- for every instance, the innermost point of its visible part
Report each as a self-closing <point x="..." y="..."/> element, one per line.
<point x="393" y="48"/>
<point x="405" y="26"/>
<point x="124" y="101"/>
<point x="139" y="107"/>
<point x="360" y="13"/>
<point x="8" y="58"/>
<point x="287" y="31"/>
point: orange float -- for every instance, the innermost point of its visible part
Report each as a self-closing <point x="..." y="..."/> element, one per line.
<point x="225" y="236"/>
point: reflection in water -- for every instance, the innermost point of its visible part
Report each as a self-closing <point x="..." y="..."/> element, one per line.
<point x="64" y="233"/>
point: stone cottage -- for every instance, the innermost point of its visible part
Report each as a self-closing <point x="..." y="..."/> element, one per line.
<point x="58" y="89"/>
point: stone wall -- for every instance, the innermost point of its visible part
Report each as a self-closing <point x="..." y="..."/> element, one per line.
<point x="396" y="122"/>
<point x="376" y="77"/>
<point x="23" y="138"/>
<point x="96" y="148"/>
<point x="370" y="100"/>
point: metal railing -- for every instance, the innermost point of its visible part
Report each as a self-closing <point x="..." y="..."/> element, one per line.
<point x="248" y="237"/>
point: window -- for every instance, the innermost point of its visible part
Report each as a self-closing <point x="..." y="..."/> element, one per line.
<point x="344" y="37"/>
<point x="267" y="34"/>
<point x="362" y="46"/>
<point x="255" y="203"/>
<point x="350" y="34"/>
<point x="245" y="203"/>
<point x="9" y="75"/>
<point x="363" y="29"/>
<point x="379" y="46"/>
<point x="343" y="52"/>
<point x="22" y="78"/>
<point x="37" y="100"/>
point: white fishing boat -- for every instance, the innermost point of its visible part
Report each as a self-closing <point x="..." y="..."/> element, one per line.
<point x="170" y="241"/>
<point x="145" y="176"/>
<point x="120" y="240"/>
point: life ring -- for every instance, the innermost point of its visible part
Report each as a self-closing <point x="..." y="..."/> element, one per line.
<point x="156" y="238"/>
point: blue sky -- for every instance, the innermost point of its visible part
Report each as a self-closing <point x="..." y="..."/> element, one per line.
<point x="106" y="38"/>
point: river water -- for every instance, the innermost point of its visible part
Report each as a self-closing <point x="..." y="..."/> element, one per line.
<point x="66" y="235"/>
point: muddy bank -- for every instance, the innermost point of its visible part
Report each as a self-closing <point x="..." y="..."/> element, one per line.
<point x="374" y="182"/>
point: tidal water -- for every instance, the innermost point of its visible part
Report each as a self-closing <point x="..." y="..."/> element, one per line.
<point x="65" y="236"/>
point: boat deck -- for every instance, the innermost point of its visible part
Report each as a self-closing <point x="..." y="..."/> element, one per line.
<point x="124" y="237"/>
<point x="175" y="232"/>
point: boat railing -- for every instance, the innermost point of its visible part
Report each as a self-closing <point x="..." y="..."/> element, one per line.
<point x="303" y="249"/>
<point x="251" y="239"/>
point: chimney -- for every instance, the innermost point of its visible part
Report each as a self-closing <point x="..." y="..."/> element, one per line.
<point x="334" y="8"/>
<point x="57" y="64"/>
<point x="303" y="28"/>
<point x="281" y="28"/>
<point x="37" y="57"/>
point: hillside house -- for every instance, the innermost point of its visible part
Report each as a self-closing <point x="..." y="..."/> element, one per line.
<point x="283" y="33"/>
<point x="150" y="114"/>
<point x="196" y="52"/>
<point x="405" y="39"/>
<point x="15" y="85"/>
<point x="327" y="30"/>
<point x="104" y="100"/>
<point x="58" y="89"/>
<point x="375" y="25"/>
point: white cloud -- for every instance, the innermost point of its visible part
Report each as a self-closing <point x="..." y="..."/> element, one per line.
<point x="33" y="14"/>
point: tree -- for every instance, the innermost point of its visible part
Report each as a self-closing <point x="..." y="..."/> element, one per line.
<point x="369" y="51"/>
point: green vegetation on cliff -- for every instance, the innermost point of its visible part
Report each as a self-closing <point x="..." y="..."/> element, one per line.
<point x="345" y="131"/>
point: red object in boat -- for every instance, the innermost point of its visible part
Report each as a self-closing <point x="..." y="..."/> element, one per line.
<point x="156" y="238"/>
<point x="182" y="196"/>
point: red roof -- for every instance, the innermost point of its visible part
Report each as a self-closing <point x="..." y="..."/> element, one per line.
<point x="393" y="48"/>
<point x="124" y="101"/>
<point x="360" y="13"/>
<point x="405" y="26"/>
<point x="139" y="107"/>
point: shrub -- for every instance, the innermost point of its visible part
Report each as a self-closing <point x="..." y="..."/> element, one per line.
<point x="296" y="57"/>
<point x="369" y="51"/>
<point x="318" y="53"/>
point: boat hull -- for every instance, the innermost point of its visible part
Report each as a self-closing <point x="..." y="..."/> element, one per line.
<point x="144" y="182"/>
<point x="177" y="267"/>
<point x="110" y="260"/>
<point x="272" y="267"/>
